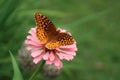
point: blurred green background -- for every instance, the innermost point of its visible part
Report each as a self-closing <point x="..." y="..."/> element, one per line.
<point x="95" y="24"/>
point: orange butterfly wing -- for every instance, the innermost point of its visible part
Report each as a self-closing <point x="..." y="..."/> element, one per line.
<point x="62" y="39"/>
<point x="45" y="28"/>
<point x="48" y="35"/>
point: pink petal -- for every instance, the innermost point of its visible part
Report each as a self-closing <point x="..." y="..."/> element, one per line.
<point x="35" y="39"/>
<point x="68" y="57"/>
<point x="60" y="55"/>
<point x="65" y="56"/>
<point x="32" y="31"/>
<point x="30" y="47"/>
<point x="71" y="53"/>
<point x="69" y="49"/>
<point x="52" y="56"/>
<point x="37" y="59"/>
<point x="32" y="43"/>
<point x="66" y="51"/>
<point x="58" y="63"/>
<point x="27" y="41"/>
<point x="49" y="62"/>
<point x="61" y="30"/>
<point x="36" y="53"/>
<point x="46" y="56"/>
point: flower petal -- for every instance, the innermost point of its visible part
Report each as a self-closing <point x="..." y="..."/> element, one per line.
<point x="60" y="56"/>
<point x="32" y="31"/>
<point x="67" y="51"/>
<point x="46" y="56"/>
<point x="58" y="63"/>
<point x="36" y="53"/>
<point x="32" y="43"/>
<point x="65" y="56"/>
<point x="31" y="38"/>
<point x="49" y="62"/>
<point x="37" y="59"/>
<point x="61" y="30"/>
<point x="31" y="47"/>
<point x="52" y="56"/>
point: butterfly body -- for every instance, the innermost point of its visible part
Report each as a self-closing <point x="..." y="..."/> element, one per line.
<point x="48" y="34"/>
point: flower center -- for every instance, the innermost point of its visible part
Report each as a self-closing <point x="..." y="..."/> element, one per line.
<point x="49" y="50"/>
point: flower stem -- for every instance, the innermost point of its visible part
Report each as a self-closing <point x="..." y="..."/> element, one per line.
<point x="37" y="70"/>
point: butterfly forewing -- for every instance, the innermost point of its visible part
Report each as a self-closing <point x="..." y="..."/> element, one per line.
<point x="45" y="28"/>
<point x="62" y="39"/>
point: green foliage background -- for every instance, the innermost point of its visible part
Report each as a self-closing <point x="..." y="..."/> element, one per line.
<point x="95" y="24"/>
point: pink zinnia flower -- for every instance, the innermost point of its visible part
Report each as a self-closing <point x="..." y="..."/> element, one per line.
<point x="40" y="52"/>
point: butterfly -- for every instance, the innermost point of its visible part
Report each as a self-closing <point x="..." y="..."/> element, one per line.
<point x="49" y="35"/>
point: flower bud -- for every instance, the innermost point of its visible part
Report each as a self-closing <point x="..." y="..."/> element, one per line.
<point x="50" y="71"/>
<point x="25" y="60"/>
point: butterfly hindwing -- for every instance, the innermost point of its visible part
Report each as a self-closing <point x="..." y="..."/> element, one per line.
<point x="45" y="28"/>
<point x="62" y="39"/>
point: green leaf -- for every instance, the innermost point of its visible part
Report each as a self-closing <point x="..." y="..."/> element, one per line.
<point x="17" y="74"/>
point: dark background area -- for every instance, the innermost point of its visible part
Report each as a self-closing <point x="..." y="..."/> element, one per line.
<point x="95" y="24"/>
